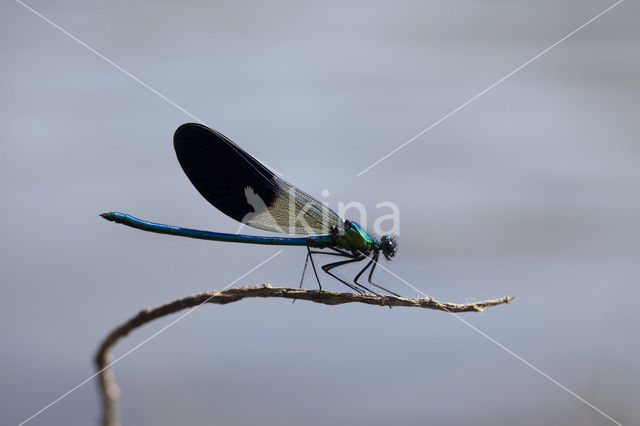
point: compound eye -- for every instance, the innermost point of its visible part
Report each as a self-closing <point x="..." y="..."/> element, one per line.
<point x="388" y="246"/>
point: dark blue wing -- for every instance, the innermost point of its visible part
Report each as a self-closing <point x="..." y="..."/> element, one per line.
<point x="244" y="189"/>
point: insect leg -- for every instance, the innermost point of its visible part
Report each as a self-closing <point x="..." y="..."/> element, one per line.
<point x="306" y="262"/>
<point x="375" y="263"/>
<point x="340" y="251"/>
<point x="327" y="268"/>
<point x="355" y="280"/>
<point x="313" y="265"/>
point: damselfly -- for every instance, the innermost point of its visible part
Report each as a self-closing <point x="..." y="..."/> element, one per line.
<point x="244" y="189"/>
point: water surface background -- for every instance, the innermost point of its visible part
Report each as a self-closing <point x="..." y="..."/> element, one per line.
<point x="531" y="191"/>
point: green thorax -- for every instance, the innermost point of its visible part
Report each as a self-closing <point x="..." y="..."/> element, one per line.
<point x="356" y="238"/>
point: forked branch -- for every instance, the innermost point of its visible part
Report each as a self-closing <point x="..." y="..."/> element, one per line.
<point x="109" y="390"/>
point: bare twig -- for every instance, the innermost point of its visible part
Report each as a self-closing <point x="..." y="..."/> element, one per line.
<point x="109" y="390"/>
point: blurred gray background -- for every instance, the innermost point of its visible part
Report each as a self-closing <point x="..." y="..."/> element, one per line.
<point x="530" y="191"/>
